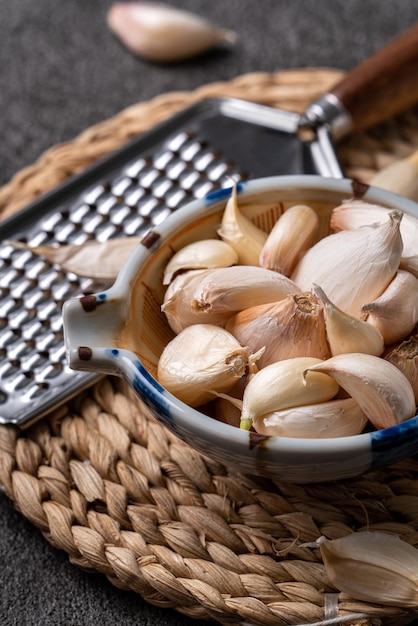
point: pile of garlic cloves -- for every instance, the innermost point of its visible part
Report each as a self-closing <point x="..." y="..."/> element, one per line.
<point x="295" y="336"/>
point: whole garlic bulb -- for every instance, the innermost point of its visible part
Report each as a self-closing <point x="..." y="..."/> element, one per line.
<point x="162" y="33"/>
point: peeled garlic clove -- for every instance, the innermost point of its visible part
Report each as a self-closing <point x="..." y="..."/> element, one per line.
<point x="400" y="177"/>
<point x="346" y="333"/>
<point x="231" y="289"/>
<point x="199" y="361"/>
<point x="282" y="385"/>
<point x="353" y="214"/>
<point x="335" y="418"/>
<point x="203" y="254"/>
<point x="353" y="266"/>
<point x="405" y="357"/>
<point x="294" y="232"/>
<point x="177" y="303"/>
<point x="395" y="312"/>
<point x="159" y="32"/>
<point x="240" y="233"/>
<point x="291" y="327"/>
<point x="379" y="388"/>
<point x="373" y="567"/>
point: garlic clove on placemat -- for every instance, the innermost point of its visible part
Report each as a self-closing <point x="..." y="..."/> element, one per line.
<point x="373" y="567"/>
<point x="162" y="33"/>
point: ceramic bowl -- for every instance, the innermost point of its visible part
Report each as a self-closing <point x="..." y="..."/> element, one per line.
<point x="122" y="331"/>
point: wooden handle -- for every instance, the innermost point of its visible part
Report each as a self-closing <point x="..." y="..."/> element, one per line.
<point x="383" y="85"/>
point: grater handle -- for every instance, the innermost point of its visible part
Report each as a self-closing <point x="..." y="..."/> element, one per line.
<point x="375" y="90"/>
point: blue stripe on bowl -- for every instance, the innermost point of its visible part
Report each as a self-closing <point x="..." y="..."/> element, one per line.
<point x="222" y="194"/>
<point x="395" y="443"/>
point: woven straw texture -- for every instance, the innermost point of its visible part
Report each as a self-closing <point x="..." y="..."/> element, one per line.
<point x="122" y="496"/>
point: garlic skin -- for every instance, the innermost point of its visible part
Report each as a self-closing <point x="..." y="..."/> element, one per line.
<point x="100" y="261"/>
<point x="240" y="232"/>
<point x="335" y="418"/>
<point x="294" y="232"/>
<point x="353" y="214"/>
<point x="292" y="327"/>
<point x="405" y="357"/>
<point x="346" y="333"/>
<point x="400" y="177"/>
<point x="353" y="266"/>
<point x="161" y="33"/>
<point x="381" y="390"/>
<point x="283" y="385"/>
<point x="203" y="254"/>
<point x="373" y="567"/>
<point x="395" y="312"/>
<point x="199" y="361"/>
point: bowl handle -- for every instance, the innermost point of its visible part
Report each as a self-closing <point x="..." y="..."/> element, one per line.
<point x="91" y="325"/>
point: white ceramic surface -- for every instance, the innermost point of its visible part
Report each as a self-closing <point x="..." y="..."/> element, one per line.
<point x="112" y="332"/>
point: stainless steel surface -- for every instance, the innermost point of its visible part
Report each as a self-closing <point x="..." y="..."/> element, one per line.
<point x="206" y="147"/>
<point x="328" y="111"/>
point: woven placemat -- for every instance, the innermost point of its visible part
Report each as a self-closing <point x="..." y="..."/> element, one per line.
<point x="105" y="482"/>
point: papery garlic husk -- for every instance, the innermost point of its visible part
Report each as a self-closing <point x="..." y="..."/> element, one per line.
<point x="283" y="385"/>
<point x="380" y="389"/>
<point x="405" y="357"/>
<point x="240" y="232"/>
<point x="353" y="214"/>
<point x="97" y="260"/>
<point x="291" y="327"/>
<point x="203" y="254"/>
<point x="353" y="266"/>
<point x="335" y="418"/>
<point x="159" y="32"/>
<point x="373" y="567"/>
<point x="199" y="361"/>
<point x="395" y="312"/>
<point x="294" y="232"/>
<point x="400" y="177"/>
<point x="346" y="333"/>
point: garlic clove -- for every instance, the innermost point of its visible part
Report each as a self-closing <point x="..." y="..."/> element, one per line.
<point x="200" y="360"/>
<point x="177" y="301"/>
<point x="231" y="289"/>
<point x="353" y="266"/>
<point x="400" y="177"/>
<point x="373" y="567"/>
<point x="395" y="312"/>
<point x="203" y="254"/>
<point x="162" y="33"/>
<point x="212" y="296"/>
<point x="346" y="333"/>
<point x="405" y="357"/>
<point x="380" y="389"/>
<point x="335" y="418"/>
<point x="292" y="327"/>
<point x="353" y="214"/>
<point x="240" y="232"/>
<point x="294" y="232"/>
<point x="283" y="385"/>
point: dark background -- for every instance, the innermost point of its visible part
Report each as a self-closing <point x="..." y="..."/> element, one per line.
<point x="61" y="71"/>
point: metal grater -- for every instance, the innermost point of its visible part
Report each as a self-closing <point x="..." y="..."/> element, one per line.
<point x="202" y="149"/>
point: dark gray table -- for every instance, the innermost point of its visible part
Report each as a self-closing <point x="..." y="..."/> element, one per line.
<point x="61" y="72"/>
